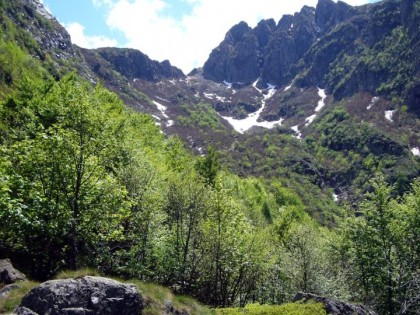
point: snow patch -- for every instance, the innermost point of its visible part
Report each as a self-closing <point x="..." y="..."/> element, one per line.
<point x="335" y="197"/>
<point x="372" y="102"/>
<point x="228" y="84"/>
<point x="389" y="114"/>
<point x="320" y="105"/>
<point x="156" y="117"/>
<point x="208" y="95"/>
<point x="255" y="85"/>
<point x="242" y="125"/>
<point x="212" y="96"/>
<point x="415" y="151"/>
<point x="288" y="87"/>
<point x="309" y="120"/>
<point x="321" y="102"/>
<point x="169" y="123"/>
<point x="298" y="134"/>
<point x="161" y="108"/>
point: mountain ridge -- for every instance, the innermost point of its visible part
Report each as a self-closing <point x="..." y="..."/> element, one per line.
<point x="274" y="77"/>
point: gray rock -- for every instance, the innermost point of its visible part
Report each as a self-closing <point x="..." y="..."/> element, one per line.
<point x="82" y="296"/>
<point x="8" y="274"/>
<point x="24" y="311"/>
<point x="5" y="291"/>
<point x="334" y="307"/>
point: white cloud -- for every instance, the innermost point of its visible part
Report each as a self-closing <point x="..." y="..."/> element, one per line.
<point x="78" y="37"/>
<point x="187" y="42"/>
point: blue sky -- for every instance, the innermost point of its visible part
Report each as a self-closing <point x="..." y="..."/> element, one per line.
<point x="183" y="31"/>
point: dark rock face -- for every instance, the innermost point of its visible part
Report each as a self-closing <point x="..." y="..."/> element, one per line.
<point x="335" y="46"/>
<point x="132" y="63"/>
<point x="329" y="14"/>
<point x="8" y="274"/>
<point x="268" y="51"/>
<point x="87" y="295"/>
<point x="333" y="306"/>
<point x="236" y="58"/>
<point x="292" y="38"/>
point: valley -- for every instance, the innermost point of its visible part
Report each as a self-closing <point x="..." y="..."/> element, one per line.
<point x="289" y="161"/>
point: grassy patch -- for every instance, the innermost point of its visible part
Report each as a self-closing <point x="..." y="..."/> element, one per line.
<point x="12" y="300"/>
<point x="285" y="309"/>
<point x="158" y="299"/>
<point x="66" y="274"/>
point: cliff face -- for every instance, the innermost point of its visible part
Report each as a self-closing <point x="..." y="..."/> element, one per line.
<point x="50" y="37"/>
<point x="371" y="48"/>
<point x="131" y="64"/>
<point x="269" y="51"/>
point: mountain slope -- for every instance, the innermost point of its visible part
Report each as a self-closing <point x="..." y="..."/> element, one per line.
<point x="321" y="100"/>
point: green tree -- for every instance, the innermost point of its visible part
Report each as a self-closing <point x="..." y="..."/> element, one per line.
<point x="61" y="167"/>
<point x="209" y="166"/>
<point x="381" y="251"/>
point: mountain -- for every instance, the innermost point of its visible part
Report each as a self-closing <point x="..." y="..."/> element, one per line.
<point x="320" y="100"/>
<point x="333" y="46"/>
<point x="286" y="164"/>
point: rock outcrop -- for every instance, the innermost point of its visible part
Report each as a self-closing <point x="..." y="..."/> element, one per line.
<point x="130" y="63"/>
<point x="34" y="18"/>
<point x="87" y="295"/>
<point x="236" y="58"/>
<point x="336" y="46"/>
<point x="8" y="274"/>
<point x="268" y="51"/>
<point x="333" y="306"/>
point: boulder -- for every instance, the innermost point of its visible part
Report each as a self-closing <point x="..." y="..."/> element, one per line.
<point x="86" y="295"/>
<point x="8" y="274"/>
<point x="334" y="307"/>
<point x="5" y="290"/>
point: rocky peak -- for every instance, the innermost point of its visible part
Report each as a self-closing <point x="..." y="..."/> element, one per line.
<point x="236" y="59"/>
<point x="131" y="63"/>
<point x="264" y="30"/>
<point x="328" y="14"/>
<point x="235" y="34"/>
<point x="268" y="51"/>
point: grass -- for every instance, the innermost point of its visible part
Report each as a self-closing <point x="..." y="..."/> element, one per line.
<point x="284" y="309"/>
<point x="158" y="298"/>
<point x="12" y="300"/>
<point x="80" y="273"/>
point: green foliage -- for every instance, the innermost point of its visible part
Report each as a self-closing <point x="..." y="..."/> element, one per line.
<point x="201" y="115"/>
<point x="209" y="166"/>
<point x="285" y="309"/>
<point x="378" y="248"/>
